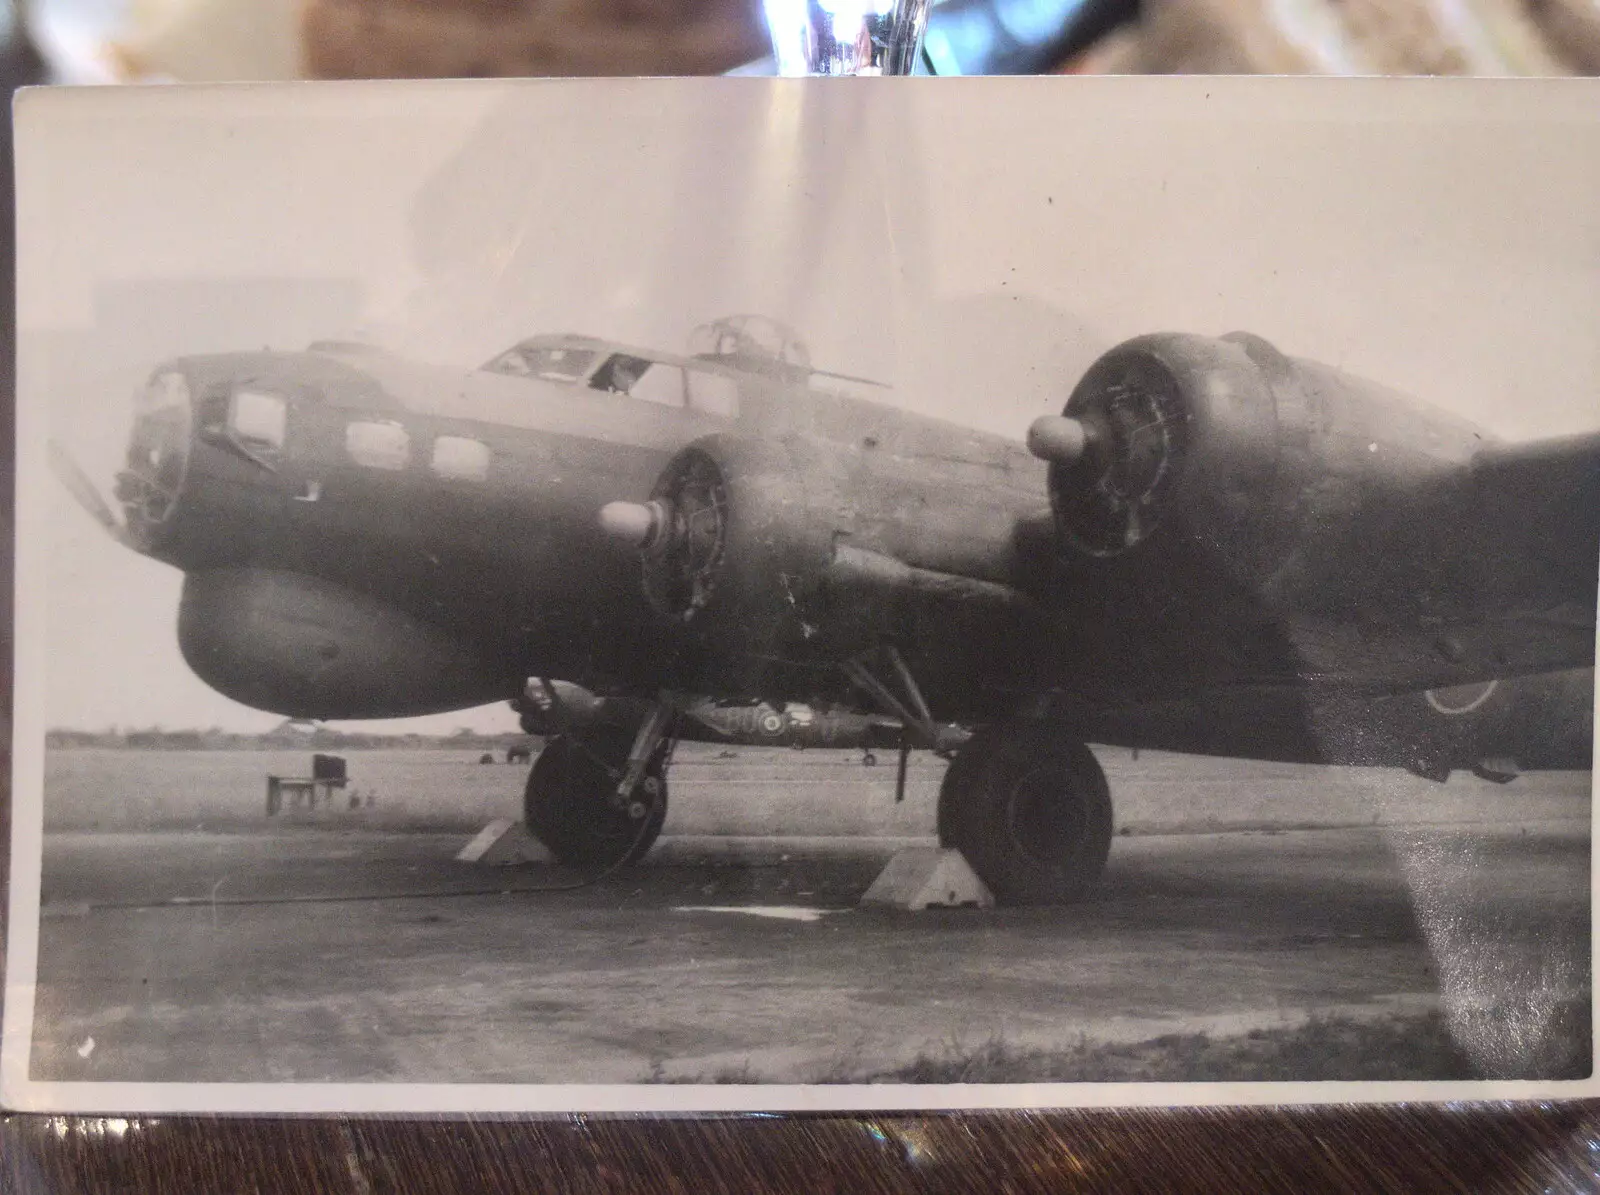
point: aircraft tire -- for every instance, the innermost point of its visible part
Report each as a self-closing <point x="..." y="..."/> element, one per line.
<point x="566" y="804"/>
<point x="1030" y="810"/>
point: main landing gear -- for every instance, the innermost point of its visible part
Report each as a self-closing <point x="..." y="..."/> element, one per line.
<point x="1024" y="802"/>
<point x="575" y="802"/>
<point x="1030" y="810"/>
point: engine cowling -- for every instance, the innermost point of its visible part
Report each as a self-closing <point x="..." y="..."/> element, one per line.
<point x="739" y="542"/>
<point x="1175" y="448"/>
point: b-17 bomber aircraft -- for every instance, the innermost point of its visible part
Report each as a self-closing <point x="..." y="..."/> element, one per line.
<point x="1215" y="548"/>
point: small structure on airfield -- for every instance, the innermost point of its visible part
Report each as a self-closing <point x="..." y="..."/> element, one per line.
<point x="329" y="773"/>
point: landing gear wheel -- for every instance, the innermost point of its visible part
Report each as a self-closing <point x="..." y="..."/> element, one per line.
<point x="1031" y="811"/>
<point x="568" y="803"/>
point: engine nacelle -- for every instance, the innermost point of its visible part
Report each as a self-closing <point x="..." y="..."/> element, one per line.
<point x="1178" y="449"/>
<point x="771" y="562"/>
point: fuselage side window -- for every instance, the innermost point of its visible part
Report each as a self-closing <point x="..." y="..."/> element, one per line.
<point x="713" y="393"/>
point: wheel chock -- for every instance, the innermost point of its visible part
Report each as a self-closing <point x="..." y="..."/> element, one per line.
<point x="922" y="877"/>
<point x="502" y="843"/>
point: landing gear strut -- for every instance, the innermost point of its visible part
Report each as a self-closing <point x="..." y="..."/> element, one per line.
<point x="1030" y="809"/>
<point x="575" y="801"/>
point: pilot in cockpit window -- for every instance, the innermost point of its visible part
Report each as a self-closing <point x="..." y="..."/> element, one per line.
<point x="640" y="378"/>
<point x="619" y="375"/>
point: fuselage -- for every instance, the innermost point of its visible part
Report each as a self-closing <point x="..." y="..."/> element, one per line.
<point x="367" y="536"/>
<point x="467" y="502"/>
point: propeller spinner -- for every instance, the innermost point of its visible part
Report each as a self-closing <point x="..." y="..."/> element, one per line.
<point x="681" y="534"/>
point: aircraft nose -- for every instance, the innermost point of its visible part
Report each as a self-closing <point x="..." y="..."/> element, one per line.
<point x="158" y="456"/>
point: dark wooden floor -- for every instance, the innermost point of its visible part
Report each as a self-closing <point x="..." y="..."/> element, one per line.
<point x="1481" y="1149"/>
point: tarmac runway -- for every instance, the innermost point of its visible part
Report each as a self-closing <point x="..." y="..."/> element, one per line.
<point x="319" y="953"/>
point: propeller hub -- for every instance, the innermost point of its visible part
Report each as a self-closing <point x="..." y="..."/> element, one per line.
<point x="1058" y="439"/>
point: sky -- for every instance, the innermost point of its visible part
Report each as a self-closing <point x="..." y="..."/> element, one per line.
<point x="976" y="243"/>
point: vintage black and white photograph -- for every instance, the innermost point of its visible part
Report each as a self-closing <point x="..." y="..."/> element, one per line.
<point x="744" y="593"/>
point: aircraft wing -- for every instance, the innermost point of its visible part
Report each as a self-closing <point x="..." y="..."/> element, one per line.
<point x="1214" y="514"/>
<point x="1536" y="507"/>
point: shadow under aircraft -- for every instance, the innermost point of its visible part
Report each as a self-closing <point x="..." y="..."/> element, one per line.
<point x="1215" y="548"/>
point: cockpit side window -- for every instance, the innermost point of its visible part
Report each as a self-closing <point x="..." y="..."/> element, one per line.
<point x="512" y="361"/>
<point x="553" y="364"/>
<point x="641" y="378"/>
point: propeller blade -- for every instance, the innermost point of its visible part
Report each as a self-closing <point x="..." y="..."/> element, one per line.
<point x="71" y="475"/>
